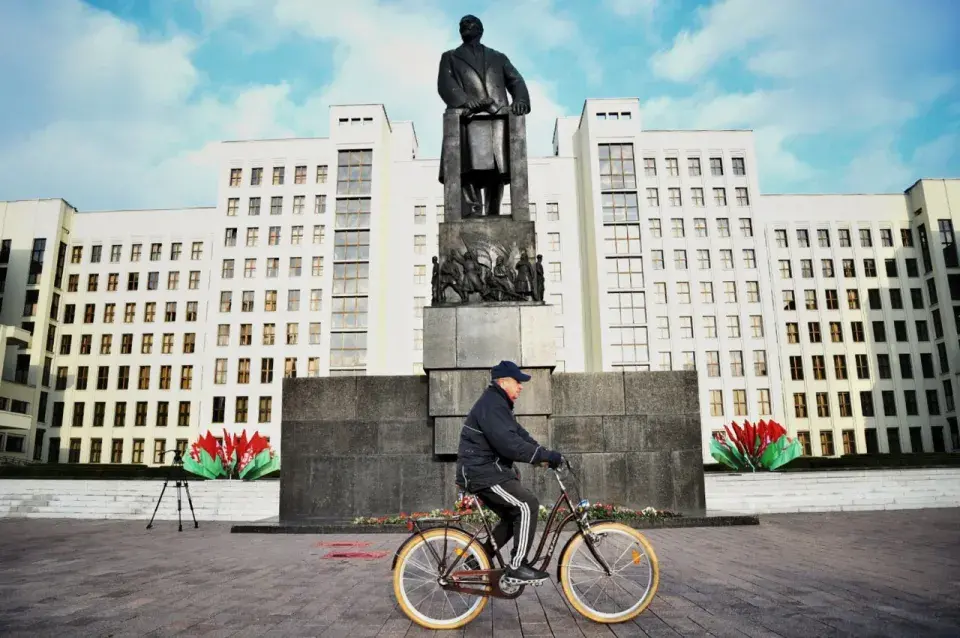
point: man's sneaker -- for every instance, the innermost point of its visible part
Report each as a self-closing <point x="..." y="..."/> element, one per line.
<point x="525" y="574"/>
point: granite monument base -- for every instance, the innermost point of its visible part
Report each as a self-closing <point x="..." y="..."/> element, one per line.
<point x="367" y="446"/>
<point x="479" y="337"/>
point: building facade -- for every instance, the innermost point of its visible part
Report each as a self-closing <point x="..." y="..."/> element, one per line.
<point x="130" y="333"/>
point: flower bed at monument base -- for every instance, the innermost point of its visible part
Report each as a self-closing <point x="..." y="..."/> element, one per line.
<point x="595" y="511"/>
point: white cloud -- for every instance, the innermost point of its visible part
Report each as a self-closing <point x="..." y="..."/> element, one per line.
<point x="108" y="116"/>
<point x="115" y="122"/>
<point x="826" y="69"/>
<point x="880" y="164"/>
<point x="711" y="109"/>
<point x="390" y="53"/>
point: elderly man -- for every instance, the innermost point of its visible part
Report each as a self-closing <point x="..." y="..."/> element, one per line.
<point x="491" y="441"/>
<point x="477" y="79"/>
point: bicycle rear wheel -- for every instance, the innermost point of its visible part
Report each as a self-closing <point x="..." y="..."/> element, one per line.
<point x="627" y="591"/>
<point x="416" y="586"/>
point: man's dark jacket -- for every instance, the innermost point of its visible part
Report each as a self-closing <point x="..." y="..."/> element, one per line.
<point x="491" y="440"/>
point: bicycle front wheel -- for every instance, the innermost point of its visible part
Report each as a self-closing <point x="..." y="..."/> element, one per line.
<point x="627" y="590"/>
<point x="416" y="576"/>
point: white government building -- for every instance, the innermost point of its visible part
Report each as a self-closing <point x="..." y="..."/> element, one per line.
<point x="130" y="332"/>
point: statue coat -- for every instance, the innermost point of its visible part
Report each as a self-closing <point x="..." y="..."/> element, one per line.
<point x="475" y="73"/>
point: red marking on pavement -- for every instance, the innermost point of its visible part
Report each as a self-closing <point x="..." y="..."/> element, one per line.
<point x="342" y="544"/>
<point x="357" y="555"/>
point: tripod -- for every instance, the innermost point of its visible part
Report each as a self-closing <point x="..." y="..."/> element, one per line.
<point x="177" y="463"/>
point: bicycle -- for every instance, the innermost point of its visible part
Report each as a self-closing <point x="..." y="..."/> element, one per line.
<point x="481" y="580"/>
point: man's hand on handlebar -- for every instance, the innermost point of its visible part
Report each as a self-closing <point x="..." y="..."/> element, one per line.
<point x="554" y="460"/>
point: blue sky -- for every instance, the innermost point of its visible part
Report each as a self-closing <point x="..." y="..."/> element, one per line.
<point x="121" y="103"/>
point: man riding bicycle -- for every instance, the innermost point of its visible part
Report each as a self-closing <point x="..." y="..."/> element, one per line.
<point x="491" y="440"/>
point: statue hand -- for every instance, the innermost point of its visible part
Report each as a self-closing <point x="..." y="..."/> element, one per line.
<point x="521" y="108"/>
<point x="472" y="105"/>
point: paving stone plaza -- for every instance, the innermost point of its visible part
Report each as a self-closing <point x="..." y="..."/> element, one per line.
<point x="893" y="573"/>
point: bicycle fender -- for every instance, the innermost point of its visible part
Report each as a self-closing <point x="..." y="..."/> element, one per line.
<point x="396" y="554"/>
<point x="571" y="539"/>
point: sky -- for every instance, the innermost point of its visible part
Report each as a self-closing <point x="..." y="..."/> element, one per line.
<point x="121" y="104"/>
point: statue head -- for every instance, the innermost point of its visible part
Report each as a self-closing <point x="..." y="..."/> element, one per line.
<point x="434" y="259"/>
<point x="471" y="29"/>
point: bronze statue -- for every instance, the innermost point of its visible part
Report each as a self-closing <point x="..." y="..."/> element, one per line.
<point x="478" y="79"/>
<point x="435" y="282"/>
<point x="448" y="275"/>
<point x="525" y="285"/>
<point x="539" y="290"/>
<point x="502" y="287"/>
<point x="473" y="274"/>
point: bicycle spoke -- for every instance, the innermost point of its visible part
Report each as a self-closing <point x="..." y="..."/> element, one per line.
<point x="421" y="566"/>
<point x="603" y="588"/>
<point x="609" y="595"/>
<point x="622" y="554"/>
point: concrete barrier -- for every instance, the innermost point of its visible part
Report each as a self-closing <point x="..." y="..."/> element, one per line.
<point x="832" y="491"/>
<point x="135" y="499"/>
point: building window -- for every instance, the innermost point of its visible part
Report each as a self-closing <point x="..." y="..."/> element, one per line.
<point x="716" y="403"/>
<point x="763" y="402"/>
<point x="617" y="169"/>
<point x="266" y="410"/>
<point x="823" y="405"/>
<point x="618" y="240"/>
<point x="354" y="172"/>
<point x="349" y="313"/>
<point x="740" y="402"/>
<point x="800" y="405"/>
<point x="629" y="344"/>
<point x="627" y="308"/>
<point x="826" y="443"/>
<point x="348" y="350"/>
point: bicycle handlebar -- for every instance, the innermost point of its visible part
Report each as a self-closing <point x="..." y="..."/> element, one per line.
<point x="564" y="464"/>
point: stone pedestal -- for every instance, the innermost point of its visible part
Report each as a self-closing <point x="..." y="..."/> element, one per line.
<point x="462" y="343"/>
<point x="479" y="337"/>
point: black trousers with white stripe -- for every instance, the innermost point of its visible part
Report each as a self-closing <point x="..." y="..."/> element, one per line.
<point x="517" y="508"/>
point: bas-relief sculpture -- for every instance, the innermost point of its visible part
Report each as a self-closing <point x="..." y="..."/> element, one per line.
<point x="485" y="276"/>
<point x="485" y="257"/>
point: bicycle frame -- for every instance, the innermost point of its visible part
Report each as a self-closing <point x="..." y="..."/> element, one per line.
<point x="484" y="578"/>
